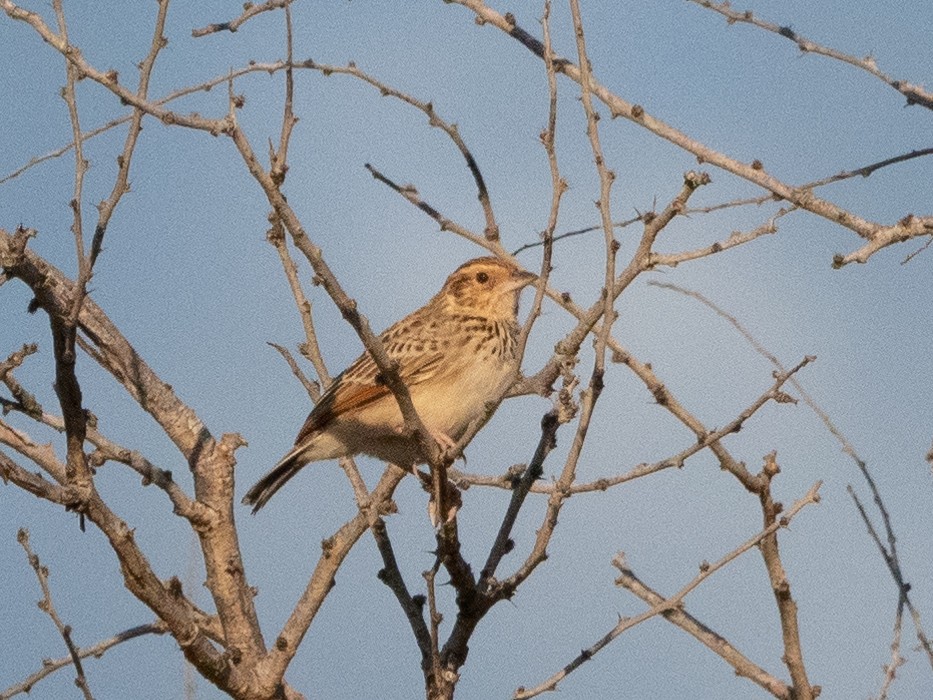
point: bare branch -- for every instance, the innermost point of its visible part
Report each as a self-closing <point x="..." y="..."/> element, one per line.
<point x="109" y="80"/>
<point x="674" y="604"/>
<point x="48" y="607"/>
<point x="392" y="577"/>
<point x="206" y="86"/>
<point x="312" y="387"/>
<point x="521" y="487"/>
<point x="35" y="484"/>
<point x="249" y="11"/>
<point x="272" y="666"/>
<point x="310" y="348"/>
<point x="877" y="234"/>
<point x="736" y="238"/>
<point x="121" y="184"/>
<point x="49" y="666"/>
<point x="435" y="677"/>
<point x="678" y="616"/>
<point x="491" y="231"/>
<point x="678" y="460"/>
<point x="915" y="94"/>
<point x="792" y="657"/>
<point x="279" y="159"/>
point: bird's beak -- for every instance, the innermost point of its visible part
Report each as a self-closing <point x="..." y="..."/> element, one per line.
<point x="520" y="278"/>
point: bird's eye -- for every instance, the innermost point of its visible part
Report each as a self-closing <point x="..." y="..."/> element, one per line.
<point x="482" y="277"/>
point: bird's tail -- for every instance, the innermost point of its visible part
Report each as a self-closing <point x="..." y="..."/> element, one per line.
<point x="275" y="479"/>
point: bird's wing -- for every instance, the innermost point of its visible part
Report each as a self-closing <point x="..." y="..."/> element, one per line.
<point x="359" y="386"/>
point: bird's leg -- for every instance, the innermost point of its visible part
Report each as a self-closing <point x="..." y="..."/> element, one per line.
<point x="443" y="440"/>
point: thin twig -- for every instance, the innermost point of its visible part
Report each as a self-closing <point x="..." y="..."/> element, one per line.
<point x="667" y="605"/>
<point x="736" y="238"/>
<point x="48" y="607"/>
<point x="81" y="166"/>
<point x="249" y="11"/>
<point x="410" y="193"/>
<point x="893" y="565"/>
<point x="772" y="514"/>
<point x="49" y="666"/>
<point x="890" y="669"/>
<point x="436" y="674"/>
<point x="310" y="348"/>
<point x="919" y="250"/>
<point x="314" y="391"/>
<point x="25" y="401"/>
<point x="279" y="159"/>
<point x="773" y="393"/>
<point x="392" y="577"/>
<point x="888" y="553"/>
<point x="578" y="232"/>
<point x="491" y="231"/>
<point x="121" y="184"/>
<point x="915" y="94"/>
<point x="876" y="234"/>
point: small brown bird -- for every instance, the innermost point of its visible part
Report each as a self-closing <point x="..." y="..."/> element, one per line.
<point x="455" y="354"/>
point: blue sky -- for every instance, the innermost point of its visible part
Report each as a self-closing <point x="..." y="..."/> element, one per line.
<point x="187" y="275"/>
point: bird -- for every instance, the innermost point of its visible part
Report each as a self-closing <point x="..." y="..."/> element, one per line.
<point x="455" y="354"/>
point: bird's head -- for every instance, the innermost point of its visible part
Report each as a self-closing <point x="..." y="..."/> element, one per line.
<point x="487" y="287"/>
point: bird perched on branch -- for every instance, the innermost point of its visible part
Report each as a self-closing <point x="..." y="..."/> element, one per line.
<point x="455" y="354"/>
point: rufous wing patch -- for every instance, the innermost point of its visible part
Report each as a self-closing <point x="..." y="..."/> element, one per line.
<point x="346" y="396"/>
